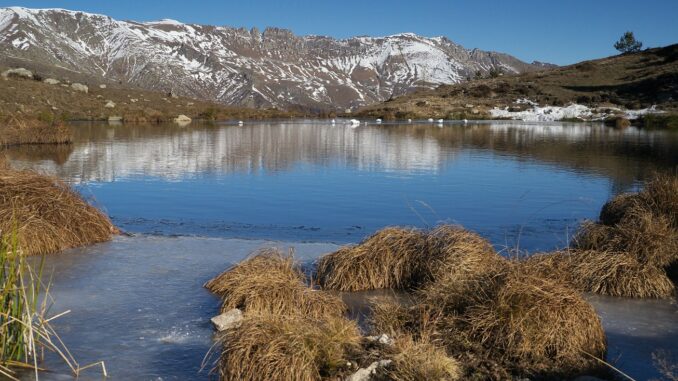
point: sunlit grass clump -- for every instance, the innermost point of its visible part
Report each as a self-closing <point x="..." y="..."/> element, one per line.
<point x="420" y="360"/>
<point x="644" y="225"/>
<point x="602" y="272"/>
<point x="391" y="258"/>
<point x="279" y="347"/>
<point x="47" y="215"/>
<point x="271" y="282"/>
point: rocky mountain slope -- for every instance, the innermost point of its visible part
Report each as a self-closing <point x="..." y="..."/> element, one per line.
<point x="273" y="68"/>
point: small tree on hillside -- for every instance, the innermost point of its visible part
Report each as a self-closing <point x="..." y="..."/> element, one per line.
<point x="628" y="44"/>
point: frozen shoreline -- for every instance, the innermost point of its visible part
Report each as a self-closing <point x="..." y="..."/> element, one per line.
<point x="572" y="111"/>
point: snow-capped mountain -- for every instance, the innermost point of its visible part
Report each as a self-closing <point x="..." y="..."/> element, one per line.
<point x="239" y="66"/>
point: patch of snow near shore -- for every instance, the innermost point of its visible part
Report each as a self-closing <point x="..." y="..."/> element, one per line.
<point x="555" y="113"/>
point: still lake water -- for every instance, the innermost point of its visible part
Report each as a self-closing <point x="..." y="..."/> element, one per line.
<point x="198" y="199"/>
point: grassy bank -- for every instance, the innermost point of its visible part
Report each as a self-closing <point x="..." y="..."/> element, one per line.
<point x="17" y="130"/>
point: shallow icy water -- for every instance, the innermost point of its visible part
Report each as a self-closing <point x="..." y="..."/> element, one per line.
<point x="138" y="304"/>
<point x="201" y="198"/>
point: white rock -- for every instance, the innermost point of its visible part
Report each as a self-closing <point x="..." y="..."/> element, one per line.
<point x="229" y="319"/>
<point x="18" y="72"/>
<point x="102" y="86"/>
<point x="365" y="374"/>
<point x="80" y="87"/>
<point x="182" y="119"/>
<point x="430" y="120"/>
<point x="110" y="104"/>
<point x="52" y="81"/>
<point x="381" y="339"/>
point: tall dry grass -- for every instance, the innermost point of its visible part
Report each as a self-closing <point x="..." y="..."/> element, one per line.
<point x="391" y="258"/>
<point x="403" y="258"/>
<point x="645" y="224"/>
<point x="277" y="347"/>
<point x="47" y="215"/>
<point x="16" y="130"/>
<point x="420" y="360"/>
<point x="601" y="272"/>
<point x="539" y="325"/>
<point x="271" y="282"/>
<point x="25" y="329"/>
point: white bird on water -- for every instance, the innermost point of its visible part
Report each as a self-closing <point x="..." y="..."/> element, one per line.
<point x="334" y="122"/>
<point x="465" y="121"/>
<point x="409" y="121"/>
<point x="240" y="123"/>
<point x="354" y="123"/>
<point x="378" y="121"/>
<point x="441" y="121"/>
<point x="430" y="120"/>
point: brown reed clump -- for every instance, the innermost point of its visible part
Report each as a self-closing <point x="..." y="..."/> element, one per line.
<point x="420" y="360"/>
<point x="391" y="258"/>
<point x="396" y="318"/>
<point x="644" y="224"/>
<point x="601" y="272"/>
<point x="539" y="326"/>
<point x="661" y="196"/>
<point x="469" y="279"/>
<point x="649" y="237"/>
<point x="271" y="282"/>
<point x="614" y="210"/>
<point x="47" y="215"/>
<point x="274" y="347"/>
<point x="555" y="265"/>
<point x="454" y="249"/>
<point x="15" y="130"/>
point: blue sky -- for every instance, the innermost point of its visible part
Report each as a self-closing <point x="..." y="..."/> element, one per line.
<point x="560" y="32"/>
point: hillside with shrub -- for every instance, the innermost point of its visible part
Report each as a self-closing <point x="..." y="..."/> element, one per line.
<point x="628" y="81"/>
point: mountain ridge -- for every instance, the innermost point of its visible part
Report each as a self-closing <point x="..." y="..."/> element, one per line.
<point x="236" y="66"/>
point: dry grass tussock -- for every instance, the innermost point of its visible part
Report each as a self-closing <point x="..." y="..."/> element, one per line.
<point x="644" y="225"/>
<point x="599" y="272"/>
<point x="456" y="250"/>
<point x="401" y="258"/>
<point x="274" y="347"/>
<point x="391" y="258"/>
<point x="420" y="360"/>
<point x="14" y="130"/>
<point x="47" y="215"/>
<point x="539" y="326"/>
<point x="271" y="282"/>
